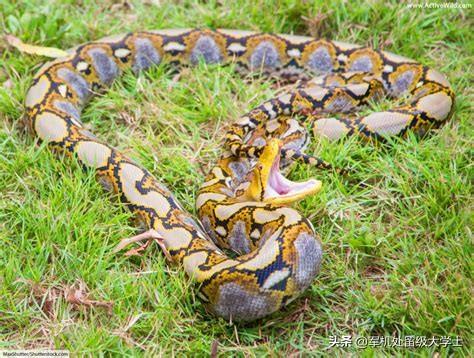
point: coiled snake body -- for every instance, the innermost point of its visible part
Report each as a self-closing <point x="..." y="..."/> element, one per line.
<point x="243" y="201"/>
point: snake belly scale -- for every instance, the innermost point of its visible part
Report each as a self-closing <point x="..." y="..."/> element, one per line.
<point x="243" y="202"/>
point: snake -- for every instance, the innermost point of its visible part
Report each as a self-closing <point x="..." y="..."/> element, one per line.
<point x="251" y="252"/>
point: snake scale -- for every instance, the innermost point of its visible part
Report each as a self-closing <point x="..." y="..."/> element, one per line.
<point x="243" y="204"/>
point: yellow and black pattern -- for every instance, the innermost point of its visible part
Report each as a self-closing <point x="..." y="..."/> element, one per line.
<point x="243" y="202"/>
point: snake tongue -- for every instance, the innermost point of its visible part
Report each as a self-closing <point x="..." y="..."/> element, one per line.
<point x="280" y="190"/>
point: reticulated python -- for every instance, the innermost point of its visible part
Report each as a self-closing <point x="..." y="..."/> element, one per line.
<point x="242" y="203"/>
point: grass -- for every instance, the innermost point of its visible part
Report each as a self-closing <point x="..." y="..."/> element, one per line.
<point x="398" y="251"/>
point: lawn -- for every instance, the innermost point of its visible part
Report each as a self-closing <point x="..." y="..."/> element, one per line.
<point x="398" y="249"/>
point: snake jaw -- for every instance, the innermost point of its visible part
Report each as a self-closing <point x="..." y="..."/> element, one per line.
<point x="270" y="186"/>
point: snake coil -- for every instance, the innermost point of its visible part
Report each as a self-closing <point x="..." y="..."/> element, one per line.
<point x="243" y="201"/>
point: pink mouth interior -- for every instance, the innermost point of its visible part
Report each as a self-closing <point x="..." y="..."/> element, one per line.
<point x="279" y="186"/>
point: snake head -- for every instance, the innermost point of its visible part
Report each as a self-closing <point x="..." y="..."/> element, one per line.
<point x="267" y="184"/>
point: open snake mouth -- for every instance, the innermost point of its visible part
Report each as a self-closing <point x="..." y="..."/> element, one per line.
<point x="279" y="189"/>
<point x="270" y="185"/>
